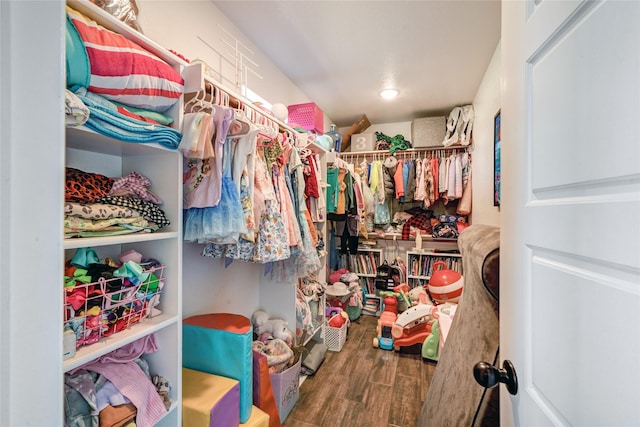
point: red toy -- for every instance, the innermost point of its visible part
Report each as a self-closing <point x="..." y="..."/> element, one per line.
<point x="445" y="285"/>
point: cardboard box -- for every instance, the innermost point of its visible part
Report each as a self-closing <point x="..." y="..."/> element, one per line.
<point x="358" y="127"/>
<point x="363" y="142"/>
<point x="428" y="131"/>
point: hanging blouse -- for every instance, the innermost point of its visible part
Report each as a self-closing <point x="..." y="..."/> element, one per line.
<point x="202" y="179"/>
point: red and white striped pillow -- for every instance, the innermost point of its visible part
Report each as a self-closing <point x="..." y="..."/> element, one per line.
<point x="123" y="71"/>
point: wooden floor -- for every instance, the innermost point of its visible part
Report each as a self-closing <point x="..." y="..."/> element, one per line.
<point x="362" y="386"/>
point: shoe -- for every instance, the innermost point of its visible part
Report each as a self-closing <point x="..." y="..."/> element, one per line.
<point x="453" y="127"/>
<point x="466" y="118"/>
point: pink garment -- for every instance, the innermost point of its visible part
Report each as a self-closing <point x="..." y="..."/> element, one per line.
<point x="202" y="179"/>
<point x="286" y="207"/>
<point x="134" y="185"/>
<point x="119" y="368"/>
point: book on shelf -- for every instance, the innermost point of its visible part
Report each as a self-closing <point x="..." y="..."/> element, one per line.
<point x="374" y="263"/>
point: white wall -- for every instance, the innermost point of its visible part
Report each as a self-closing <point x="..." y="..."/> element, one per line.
<point x="208" y="286"/>
<point x="389" y="129"/>
<point x="485" y="104"/>
<point x="182" y="26"/>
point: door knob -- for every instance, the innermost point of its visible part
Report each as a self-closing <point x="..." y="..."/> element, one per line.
<point x="489" y="376"/>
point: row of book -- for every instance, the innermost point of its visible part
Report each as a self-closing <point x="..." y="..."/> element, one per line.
<point x="371" y="305"/>
<point x="422" y="265"/>
<point x="362" y="262"/>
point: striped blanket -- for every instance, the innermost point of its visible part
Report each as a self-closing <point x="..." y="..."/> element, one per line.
<point x="108" y="64"/>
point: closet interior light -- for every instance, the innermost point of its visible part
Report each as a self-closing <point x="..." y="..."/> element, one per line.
<point x="389" y="93"/>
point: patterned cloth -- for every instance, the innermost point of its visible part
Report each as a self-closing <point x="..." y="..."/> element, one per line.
<point x="148" y="210"/>
<point x="134" y="185"/>
<point x="99" y="211"/>
<point x="421" y="221"/>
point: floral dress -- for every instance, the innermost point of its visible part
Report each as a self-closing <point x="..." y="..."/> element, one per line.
<point x="271" y="243"/>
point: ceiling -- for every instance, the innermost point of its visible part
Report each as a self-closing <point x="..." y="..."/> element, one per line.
<point x="341" y="54"/>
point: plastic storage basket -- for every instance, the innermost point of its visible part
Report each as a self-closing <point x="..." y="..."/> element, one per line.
<point x="307" y="116"/>
<point x="107" y="306"/>
<point x="335" y="338"/>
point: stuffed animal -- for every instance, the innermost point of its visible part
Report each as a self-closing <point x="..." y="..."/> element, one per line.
<point x="264" y="327"/>
<point x="162" y="387"/>
<point x="418" y="295"/>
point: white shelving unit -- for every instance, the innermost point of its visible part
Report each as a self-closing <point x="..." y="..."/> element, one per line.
<point x="420" y="265"/>
<point x="365" y="263"/>
<point x="95" y="153"/>
<point x="321" y="227"/>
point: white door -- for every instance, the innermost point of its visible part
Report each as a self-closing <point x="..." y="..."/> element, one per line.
<point x="570" y="236"/>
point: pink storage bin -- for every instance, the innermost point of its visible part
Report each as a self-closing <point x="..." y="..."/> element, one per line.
<point x="308" y="116"/>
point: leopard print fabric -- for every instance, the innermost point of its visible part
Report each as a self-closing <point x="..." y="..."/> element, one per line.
<point x="85" y="187"/>
<point x="99" y="211"/>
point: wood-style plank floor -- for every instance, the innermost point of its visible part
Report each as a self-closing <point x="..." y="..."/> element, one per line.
<point x="362" y="386"/>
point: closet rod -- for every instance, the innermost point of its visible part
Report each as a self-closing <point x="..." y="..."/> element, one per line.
<point x="409" y="151"/>
<point x="235" y="100"/>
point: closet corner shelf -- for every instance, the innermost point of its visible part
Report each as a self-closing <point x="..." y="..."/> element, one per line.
<point x="83" y="138"/>
<point x="91" y="352"/>
<point x="84" y="242"/>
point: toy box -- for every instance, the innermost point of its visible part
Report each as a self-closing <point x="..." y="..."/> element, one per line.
<point x="286" y="388"/>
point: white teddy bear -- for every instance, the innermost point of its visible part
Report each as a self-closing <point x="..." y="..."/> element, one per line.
<point x="277" y="328"/>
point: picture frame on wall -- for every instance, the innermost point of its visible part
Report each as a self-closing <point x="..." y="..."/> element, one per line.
<point x="496" y="159"/>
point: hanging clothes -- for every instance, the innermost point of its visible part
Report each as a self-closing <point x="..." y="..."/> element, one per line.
<point x="224" y="221"/>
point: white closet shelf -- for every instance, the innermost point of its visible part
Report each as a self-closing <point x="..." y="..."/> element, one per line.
<point x="83" y="138"/>
<point x="105" y="345"/>
<point x="84" y="242"/>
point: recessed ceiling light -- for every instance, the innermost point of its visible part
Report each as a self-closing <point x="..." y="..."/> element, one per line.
<point x="389" y="93"/>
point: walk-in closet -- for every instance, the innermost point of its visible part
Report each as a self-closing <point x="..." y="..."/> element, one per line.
<point x="283" y="214"/>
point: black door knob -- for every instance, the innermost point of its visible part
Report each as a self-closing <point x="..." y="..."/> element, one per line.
<point x="489" y="376"/>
